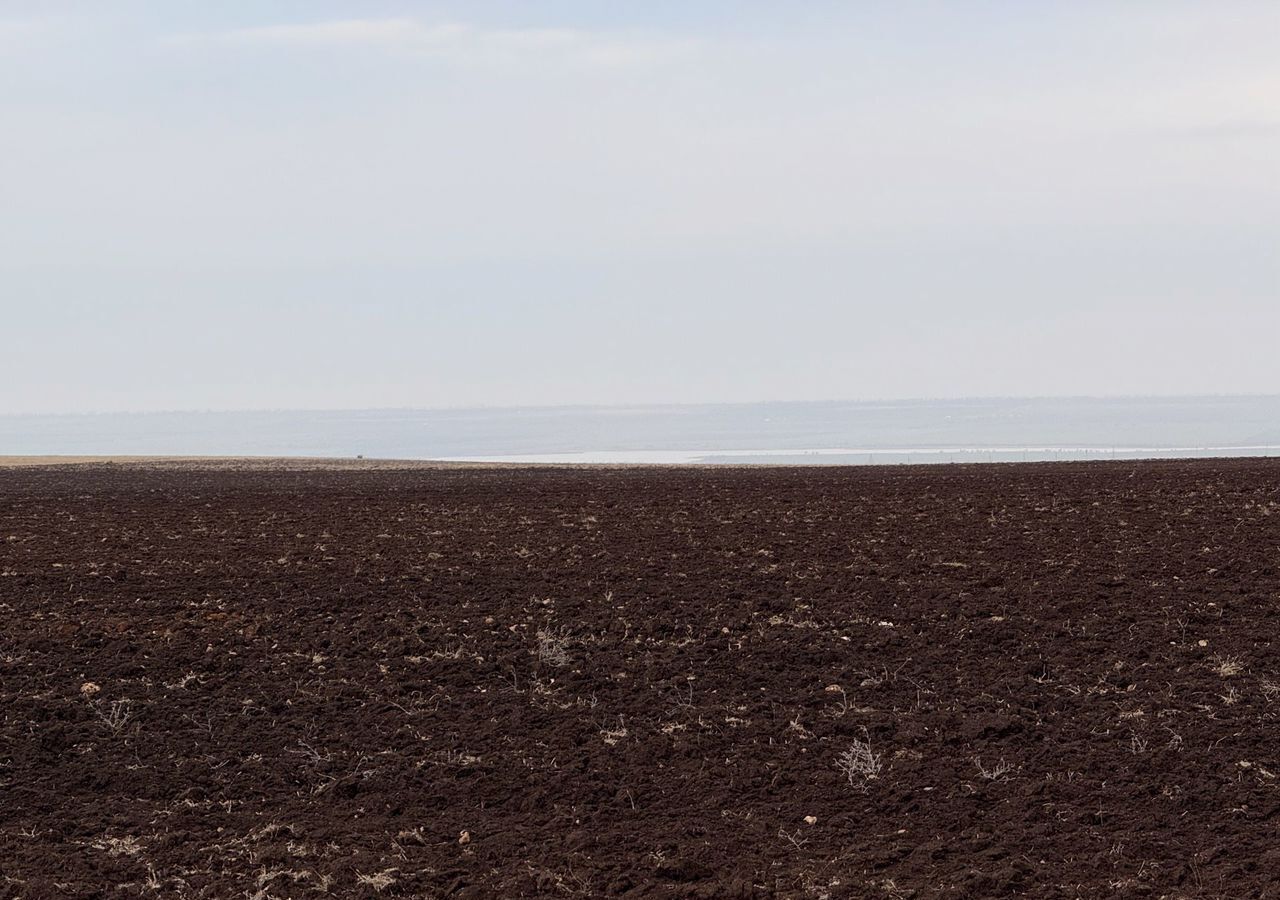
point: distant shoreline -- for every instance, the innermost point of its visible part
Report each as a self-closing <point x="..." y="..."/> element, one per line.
<point x="225" y="462"/>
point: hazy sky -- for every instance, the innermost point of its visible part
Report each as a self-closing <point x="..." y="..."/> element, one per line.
<point x="347" y="204"/>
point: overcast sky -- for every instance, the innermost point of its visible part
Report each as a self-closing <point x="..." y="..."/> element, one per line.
<point x="361" y="204"/>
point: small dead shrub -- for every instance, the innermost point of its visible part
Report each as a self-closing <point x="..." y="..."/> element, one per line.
<point x="1270" y="688"/>
<point x="115" y="715"/>
<point x="999" y="772"/>
<point x="859" y="763"/>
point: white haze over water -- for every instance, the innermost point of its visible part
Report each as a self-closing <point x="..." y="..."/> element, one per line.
<point x="863" y="456"/>
<point x="918" y="431"/>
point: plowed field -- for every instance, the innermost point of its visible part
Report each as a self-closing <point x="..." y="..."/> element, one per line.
<point x="1055" y="680"/>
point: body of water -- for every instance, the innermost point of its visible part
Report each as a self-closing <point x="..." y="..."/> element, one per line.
<point x="917" y="431"/>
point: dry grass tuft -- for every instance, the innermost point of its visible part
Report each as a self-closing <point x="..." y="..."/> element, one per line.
<point x="379" y="881"/>
<point x="1227" y="666"/>
<point x="119" y="846"/>
<point x="553" y="646"/>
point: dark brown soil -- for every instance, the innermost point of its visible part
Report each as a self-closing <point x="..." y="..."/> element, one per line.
<point x="640" y="682"/>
